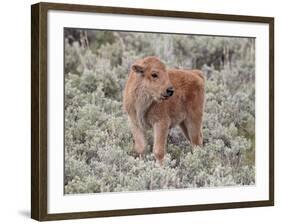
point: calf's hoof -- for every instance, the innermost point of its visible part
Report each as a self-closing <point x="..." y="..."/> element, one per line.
<point x="159" y="157"/>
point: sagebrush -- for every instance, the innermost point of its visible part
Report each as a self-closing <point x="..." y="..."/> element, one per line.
<point x="99" y="154"/>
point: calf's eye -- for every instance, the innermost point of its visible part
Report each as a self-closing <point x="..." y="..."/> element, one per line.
<point x="154" y="75"/>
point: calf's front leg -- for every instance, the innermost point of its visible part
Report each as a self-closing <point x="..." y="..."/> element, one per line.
<point x="160" y="132"/>
<point x="139" y="138"/>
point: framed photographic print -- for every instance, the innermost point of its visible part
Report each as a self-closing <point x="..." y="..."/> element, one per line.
<point x="139" y="111"/>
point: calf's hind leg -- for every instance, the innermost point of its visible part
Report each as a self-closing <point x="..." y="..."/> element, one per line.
<point x="184" y="130"/>
<point x="194" y="131"/>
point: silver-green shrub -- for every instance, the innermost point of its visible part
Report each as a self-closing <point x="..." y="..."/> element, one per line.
<point x="99" y="154"/>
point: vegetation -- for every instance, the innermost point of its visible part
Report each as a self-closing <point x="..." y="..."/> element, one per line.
<point x="99" y="154"/>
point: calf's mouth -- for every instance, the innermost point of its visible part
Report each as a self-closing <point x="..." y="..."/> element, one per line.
<point x="164" y="97"/>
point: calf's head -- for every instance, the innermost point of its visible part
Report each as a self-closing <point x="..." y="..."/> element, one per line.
<point x="153" y="77"/>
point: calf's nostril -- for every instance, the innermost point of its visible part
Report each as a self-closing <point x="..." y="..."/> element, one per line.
<point x="170" y="91"/>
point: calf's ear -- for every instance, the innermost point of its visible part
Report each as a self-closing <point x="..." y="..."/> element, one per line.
<point x="138" y="69"/>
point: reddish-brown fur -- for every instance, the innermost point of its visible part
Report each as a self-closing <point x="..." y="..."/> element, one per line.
<point x="148" y="106"/>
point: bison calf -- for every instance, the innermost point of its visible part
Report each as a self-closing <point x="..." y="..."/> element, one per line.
<point x="160" y="98"/>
